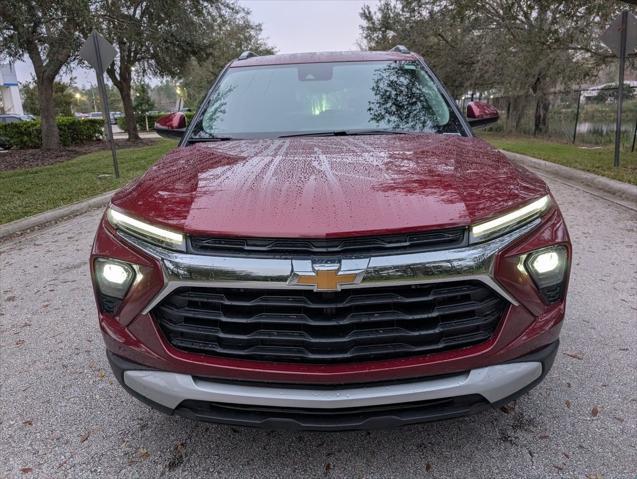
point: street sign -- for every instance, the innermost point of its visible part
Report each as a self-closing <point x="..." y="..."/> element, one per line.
<point x="100" y="54"/>
<point x="613" y="34"/>
<point x="621" y="38"/>
<point x="94" y="45"/>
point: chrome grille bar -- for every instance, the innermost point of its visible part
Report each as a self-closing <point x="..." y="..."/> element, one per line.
<point x="474" y="262"/>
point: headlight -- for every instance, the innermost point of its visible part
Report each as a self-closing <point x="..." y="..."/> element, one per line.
<point x="502" y="224"/>
<point x="113" y="277"/>
<point x="548" y="267"/>
<point x="151" y="233"/>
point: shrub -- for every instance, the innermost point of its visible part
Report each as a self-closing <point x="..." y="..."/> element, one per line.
<point x="73" y="131"/>
<point x="22" y="134"/>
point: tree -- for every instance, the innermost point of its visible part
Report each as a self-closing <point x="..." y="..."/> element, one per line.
<point x="511" y="47"/>
<point x="164" y="95"/>
<point x="158" y="37"/>
<point x="434" y="28"/>
<point x="88" y="99"/>
<point x="49" y="33"/>
<point x="63" y="98"/>
<point x="236" y="35"/>
<point x="143" y="102"/>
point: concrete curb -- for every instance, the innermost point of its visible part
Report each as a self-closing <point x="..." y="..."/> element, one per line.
<point x="52" y="216"/>
<point x="616" y="188"/>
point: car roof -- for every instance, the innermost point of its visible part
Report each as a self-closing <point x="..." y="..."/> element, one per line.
<point x="322" y="57"/>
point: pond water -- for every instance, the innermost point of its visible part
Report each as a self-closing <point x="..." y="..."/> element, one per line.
<point x="596" y="128"/>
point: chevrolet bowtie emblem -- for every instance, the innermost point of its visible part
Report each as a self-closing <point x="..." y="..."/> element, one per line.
<point x="328" y="277"/>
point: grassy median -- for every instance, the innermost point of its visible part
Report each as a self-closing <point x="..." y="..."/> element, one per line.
<point x="598" y="160"/>
<point x="34" y="190"/>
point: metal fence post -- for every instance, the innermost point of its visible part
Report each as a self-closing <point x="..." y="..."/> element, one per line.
<point x="620" y="90"/>
<point x="579" y="100"/>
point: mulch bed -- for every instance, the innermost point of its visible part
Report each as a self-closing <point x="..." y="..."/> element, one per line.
<point x="20" y="159"/>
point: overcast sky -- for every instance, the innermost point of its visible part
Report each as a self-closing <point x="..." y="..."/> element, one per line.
<point x="289" y="25"/>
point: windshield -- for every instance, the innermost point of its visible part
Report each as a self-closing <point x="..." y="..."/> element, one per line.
<point x="284" y="100"/>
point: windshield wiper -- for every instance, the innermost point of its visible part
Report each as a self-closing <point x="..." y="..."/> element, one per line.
<point x="369" y="131"/>
<point x="212" y="138"/>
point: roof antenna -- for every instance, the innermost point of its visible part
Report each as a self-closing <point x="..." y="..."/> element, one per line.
<point x="400" y="49"/>
<point x="247" y="54"/>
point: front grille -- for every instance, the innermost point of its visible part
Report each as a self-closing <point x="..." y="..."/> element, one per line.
<point x="369" y="245"/>
<point x="351" y="325"/>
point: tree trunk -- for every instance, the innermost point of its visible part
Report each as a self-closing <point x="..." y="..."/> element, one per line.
<point x="517" y="112"/>
<point x="50" y="133"/>
<point x="541" y="123"/>
<point x="122" y="79"/>
<point x="129" y="112"/>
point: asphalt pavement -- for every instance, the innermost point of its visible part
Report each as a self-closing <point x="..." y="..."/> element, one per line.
<point x="62" y="413"/>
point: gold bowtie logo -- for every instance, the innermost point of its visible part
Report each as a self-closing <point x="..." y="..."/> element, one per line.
<point x="327" y="279"/>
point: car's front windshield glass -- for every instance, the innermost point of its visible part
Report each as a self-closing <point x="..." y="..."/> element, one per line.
<point x="346" y="97"/>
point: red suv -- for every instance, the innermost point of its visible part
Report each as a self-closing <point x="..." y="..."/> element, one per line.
<point x="329" y="247"/>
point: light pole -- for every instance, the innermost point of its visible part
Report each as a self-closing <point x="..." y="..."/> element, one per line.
<point x="77" y="100"/>
<point x="179" y="90"/>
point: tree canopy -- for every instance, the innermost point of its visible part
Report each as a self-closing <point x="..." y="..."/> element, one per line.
<point x="235" y="36"/>
<point x="162" y="37"/>
<point x="63" y="98"/>
<point x="143" y="102"/>
<point x="187" y="40"/>
<point x="50" y="33"/>
<point x="510" y="47"/>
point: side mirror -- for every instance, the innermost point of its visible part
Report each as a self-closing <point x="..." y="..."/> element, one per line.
<point x="171" y="126"/>
<point x="480" y="114"/>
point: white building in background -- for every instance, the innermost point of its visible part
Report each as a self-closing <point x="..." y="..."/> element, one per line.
<point x="9" y="92"/>
<point x="593" y="91"/>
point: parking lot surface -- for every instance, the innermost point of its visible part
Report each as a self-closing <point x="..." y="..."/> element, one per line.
<point x="64" y="415"/>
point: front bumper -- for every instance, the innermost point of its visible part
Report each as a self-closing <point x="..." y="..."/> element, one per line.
<point x="526" y="326"/>
<point x="366" y="406"/>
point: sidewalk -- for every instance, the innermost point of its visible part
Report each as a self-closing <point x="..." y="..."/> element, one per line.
<point x="119" y="134"/>
<point x="618" y="191"/>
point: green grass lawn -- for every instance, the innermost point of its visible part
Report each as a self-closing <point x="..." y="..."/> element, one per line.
<point x="34" y="190"/>
<point x="598" y="160"/>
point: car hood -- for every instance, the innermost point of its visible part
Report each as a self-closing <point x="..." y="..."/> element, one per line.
<point x="320" y="187"/>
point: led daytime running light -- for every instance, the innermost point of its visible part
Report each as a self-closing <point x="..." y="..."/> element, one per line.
<point x="488" y="228"/>
<point x="140" y="228"/>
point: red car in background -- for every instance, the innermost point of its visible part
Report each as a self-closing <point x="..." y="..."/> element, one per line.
<point x="329" y="247"/>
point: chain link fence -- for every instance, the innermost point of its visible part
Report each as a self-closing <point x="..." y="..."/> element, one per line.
<point x="584" y="116"/>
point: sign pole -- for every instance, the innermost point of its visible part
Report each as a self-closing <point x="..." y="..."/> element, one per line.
<point x="106" y="112"/>
<point x="620" y="89"/>
<point x="579" y="101"/>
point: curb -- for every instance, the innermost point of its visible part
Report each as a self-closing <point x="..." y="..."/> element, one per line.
<point x="52" y="216"/>
<point x="616" y="188"/>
